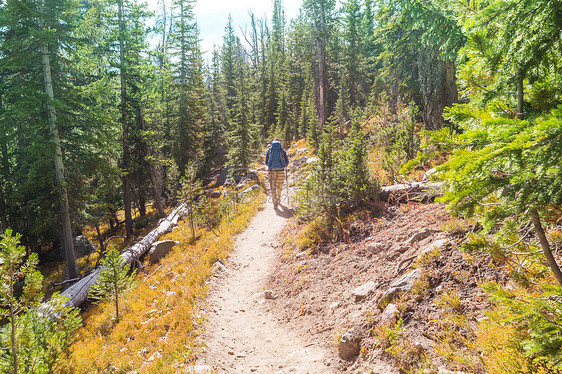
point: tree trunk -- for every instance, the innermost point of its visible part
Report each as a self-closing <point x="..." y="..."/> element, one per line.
<point x="125" y="126"/>
<point x="404" y="192"/>
<point x="438" y="87"/>
<point x="322" y="34"/>
<point x="546" y="246"/>
<point x="13" y="325"/>
<point x="100" y="237"/>
<point x="78" y="292"/>
<point x="4" y="215"/>
<point x="156" y="181"/>
<point x="520" y="96"/>
<point x="70" y="257"/>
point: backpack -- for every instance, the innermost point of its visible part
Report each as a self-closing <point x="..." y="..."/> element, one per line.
<point x="276" y="159"/>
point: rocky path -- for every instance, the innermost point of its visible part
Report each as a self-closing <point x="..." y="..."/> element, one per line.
<point x="243" y="334"/>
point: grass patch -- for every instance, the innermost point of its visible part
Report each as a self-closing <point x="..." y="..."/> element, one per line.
<point x="158" y="329"/>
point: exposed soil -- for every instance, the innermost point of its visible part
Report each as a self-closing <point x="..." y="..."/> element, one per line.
<point x="316" y="286"/>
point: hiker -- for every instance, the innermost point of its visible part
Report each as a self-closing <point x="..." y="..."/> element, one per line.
<point x="276" y="160"/>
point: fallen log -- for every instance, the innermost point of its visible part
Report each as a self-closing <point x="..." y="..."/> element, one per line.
<point x="410" y="191"/>
<point x="78" y="292"/>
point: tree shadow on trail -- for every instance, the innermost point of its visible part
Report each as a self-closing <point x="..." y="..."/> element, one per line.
<point x="284" y="212"/>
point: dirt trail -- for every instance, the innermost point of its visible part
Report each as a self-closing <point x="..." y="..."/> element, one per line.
<point x="243" y="334"/>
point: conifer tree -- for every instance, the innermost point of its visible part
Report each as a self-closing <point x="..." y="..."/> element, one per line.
<point x="114" y="280"/>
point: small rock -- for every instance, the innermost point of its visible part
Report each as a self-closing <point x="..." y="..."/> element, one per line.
<point x="219" y="266"/>
<point x="363" y="291"/>
<point x="312" y="160"/>
<point x="438" y="244"/>
<point x="216" y="194"/>
<point x="402" y="284"/>
<point x="389" y="315"/>
<point x="350" y="344"/>
<point x="334" y="305"/>
<point x="160" y="249"/>
<point x="199" y="369"/>
<point x="144" y="350"/>
<point x="445" y="371"/>
<point x="243" y="194"/>
<point x="299" y="161"/>
<point x="419" y="236"/>
<point x="252" y="369"/>
<point x="300" y="255"/>
<point x="155" y="356"/>
<point x="374" y="248"/>
<point x="270" y="295"/>
<point x="231" y="352"/>
<point x="241" y="355"/>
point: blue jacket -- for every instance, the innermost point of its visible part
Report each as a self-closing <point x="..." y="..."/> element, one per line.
<point x="276" y="157"/>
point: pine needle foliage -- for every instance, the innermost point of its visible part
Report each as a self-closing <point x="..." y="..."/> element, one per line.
<point x="35" y="337"/>
<point x="114" y="280"/>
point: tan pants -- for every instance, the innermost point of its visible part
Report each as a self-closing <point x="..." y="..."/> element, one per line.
<point x="276" y="179"/>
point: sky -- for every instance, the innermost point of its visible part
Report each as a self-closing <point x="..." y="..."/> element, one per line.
<point x="212" y="16"/>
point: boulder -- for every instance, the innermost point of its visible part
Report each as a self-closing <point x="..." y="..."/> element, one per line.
<point x="160" y="249"/>
<point x="243" y="194"/>
<point x="299" y="161"/>
<point x="350" y="344"/>
<point x="82" y="246"/>
<point x="363" y="291"/>
<point x="402" y="284"/>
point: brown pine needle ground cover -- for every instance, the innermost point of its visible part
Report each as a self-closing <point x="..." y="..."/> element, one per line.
<point x="157" y="332"/>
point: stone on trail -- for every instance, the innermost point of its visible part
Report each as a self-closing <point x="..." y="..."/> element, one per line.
<point x="270" y="295"/>
<point x="219" y="266"/>
<point x="402" y="284"/>
<point x="438" y="244"/>
<point x="160" y="249"/>
<point x="374" y="247"/>
<point x="420" y="236"/>
<point x="389" y="315"/>
<point x="350" y="344"/>
<point x="363" y="291"/>
<point x="200" y="369"/>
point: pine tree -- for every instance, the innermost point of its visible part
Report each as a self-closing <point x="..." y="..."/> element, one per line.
<point x="34" y="341"/>
<point x="114" y="280"/>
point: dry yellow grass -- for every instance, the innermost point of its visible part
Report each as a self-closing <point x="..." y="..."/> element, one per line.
<point x="158" y="329"/>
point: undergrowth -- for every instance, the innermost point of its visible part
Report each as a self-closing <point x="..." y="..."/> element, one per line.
<point x="157" y="331"/>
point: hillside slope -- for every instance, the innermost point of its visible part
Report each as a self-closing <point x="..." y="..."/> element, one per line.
<point x="341" y="286"/>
